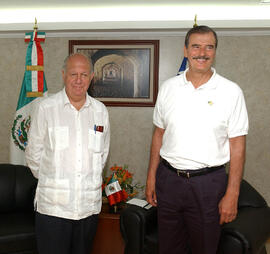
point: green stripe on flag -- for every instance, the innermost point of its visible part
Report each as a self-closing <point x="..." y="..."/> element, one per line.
<point x="23" y="100"/>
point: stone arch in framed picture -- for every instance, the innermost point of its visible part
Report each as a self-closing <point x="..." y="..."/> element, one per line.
<point x="126" y="71"/>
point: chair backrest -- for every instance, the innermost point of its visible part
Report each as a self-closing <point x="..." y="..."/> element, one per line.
<point x="17" y="188"/>
<point x="250" y="197"/>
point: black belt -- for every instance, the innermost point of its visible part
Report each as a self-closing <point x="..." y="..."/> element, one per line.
<point x="191" y="173"/>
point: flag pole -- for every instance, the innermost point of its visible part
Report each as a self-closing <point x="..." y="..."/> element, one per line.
<point x="185" y="60"/>
<point x="195" y="21"/>
<point x="35" y="25"/>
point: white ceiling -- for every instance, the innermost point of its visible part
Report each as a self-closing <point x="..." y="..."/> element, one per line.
<point x="84" y="3"/>
<point x="54" y="15"/>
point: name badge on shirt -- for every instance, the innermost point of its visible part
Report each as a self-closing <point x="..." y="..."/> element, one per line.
<point x="98" y="128"/>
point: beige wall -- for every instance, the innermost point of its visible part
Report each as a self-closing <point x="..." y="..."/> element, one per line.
<point x="243" y="59"/>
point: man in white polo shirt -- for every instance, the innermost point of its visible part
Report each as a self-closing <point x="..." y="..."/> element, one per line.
<point x="201" y="123"/>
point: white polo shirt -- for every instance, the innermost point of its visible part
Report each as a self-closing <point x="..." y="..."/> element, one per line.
<point x="199" y="122"/>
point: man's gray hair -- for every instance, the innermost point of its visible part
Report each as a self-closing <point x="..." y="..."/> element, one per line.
<point x="88" y="59"/>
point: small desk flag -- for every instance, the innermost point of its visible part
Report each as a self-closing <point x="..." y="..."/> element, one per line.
<point x="114" y="191"/>
<point x="33" y="86"/>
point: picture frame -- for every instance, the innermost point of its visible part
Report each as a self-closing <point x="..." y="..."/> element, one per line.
<point x="125" y="71"/>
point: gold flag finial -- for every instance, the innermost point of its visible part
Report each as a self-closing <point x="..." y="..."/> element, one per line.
<point x="195" y="21"/>
<point x="35" y="26"/>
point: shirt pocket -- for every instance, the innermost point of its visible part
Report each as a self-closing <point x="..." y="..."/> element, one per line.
<point x="54" y="191"/>
<point x="95" y="141"/>
<point x="92" y="194"/>
<point x="59" y="137"/>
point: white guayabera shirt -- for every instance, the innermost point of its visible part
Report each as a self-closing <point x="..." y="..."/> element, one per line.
<point x="67" y="151"/>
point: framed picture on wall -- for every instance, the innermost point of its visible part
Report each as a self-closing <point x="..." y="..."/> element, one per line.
<point x="126" y="71"/>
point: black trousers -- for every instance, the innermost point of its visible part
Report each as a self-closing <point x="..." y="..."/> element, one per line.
<point x="63" y="236"/>
<point x="188" y="216"/>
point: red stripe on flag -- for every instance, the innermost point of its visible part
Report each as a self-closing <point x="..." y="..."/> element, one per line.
<point x="40" y="81"/>
<point x="116" y="197"/>
<point x="40" y="39"/>
<point x="40" y="62"/>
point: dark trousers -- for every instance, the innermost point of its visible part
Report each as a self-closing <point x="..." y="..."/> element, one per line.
<point x="63" y="236"/>
<point x="188" y="216"/>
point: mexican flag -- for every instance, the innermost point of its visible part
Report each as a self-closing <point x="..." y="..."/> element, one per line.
<point x="33" y="86"/>
<point x="114" y="191"/>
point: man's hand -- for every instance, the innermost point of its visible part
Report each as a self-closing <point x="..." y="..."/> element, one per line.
<point x="150" y="191"/>
<point x="227" y="208"/>
<point x="228" y="204"/>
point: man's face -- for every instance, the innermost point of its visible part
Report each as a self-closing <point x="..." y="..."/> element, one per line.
<point x="201" y="52"/>
<point x="77" y="77"/>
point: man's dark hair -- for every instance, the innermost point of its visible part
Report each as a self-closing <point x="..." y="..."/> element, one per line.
<point x="200" y="30"/>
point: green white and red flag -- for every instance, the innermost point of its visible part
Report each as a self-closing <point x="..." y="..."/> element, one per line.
<point x="33" y="86"/>
<point x="114" y="191"/>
